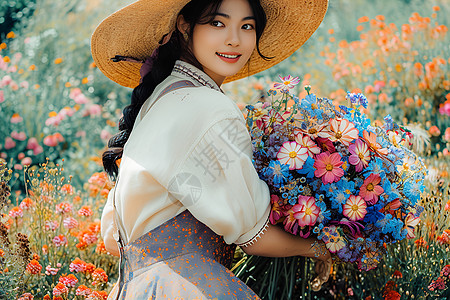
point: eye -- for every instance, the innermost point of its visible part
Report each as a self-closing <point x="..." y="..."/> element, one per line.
<point x="216" y="23"/>
<point x="248" y="27"/>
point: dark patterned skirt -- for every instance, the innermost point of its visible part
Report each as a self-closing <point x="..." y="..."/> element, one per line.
<point x="180" y="259"/>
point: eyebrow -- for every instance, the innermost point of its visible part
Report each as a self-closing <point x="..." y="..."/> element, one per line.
<point x="228" y="17"/>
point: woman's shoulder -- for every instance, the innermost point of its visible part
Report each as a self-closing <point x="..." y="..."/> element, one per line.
<point x="201" y="101"/>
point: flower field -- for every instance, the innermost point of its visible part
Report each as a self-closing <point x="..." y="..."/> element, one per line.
<point x="58" y="112"/>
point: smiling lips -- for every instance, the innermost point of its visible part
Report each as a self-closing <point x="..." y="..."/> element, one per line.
<point x="230" y="57"/>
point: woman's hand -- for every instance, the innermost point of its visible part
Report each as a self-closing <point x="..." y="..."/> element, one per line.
<point x="323" y="269"/>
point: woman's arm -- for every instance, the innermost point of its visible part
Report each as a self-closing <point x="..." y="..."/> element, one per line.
<point x="275" y="242"/>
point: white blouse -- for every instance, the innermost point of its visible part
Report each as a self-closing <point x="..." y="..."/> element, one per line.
<point x="190" y="150"/>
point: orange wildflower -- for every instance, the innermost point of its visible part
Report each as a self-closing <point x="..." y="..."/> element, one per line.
<point x="32" y="67"/>
<point x="99" y="276"/>
<point x="421" y="243"/>
<point x="58" y="61"/>
<point x="434" y="131"/>
<point x="3" y="46"/>
<point x="6" y="59"/>
<point x="379" y="17"/>
<point x="409" y="102"/>
<point x="331" y="31"/>
<point x="363" y="19"/>
<point x="382" y="97"/>
<point x="93" y="65"/>
<point x="359" y="28"/>
<point x="85" y="80"/>
<point x="11" y="35"/>
<point x="436" y="8"/>
<point x="68" y="189"/>
<point x="34" y="267"/>
<point x="343" y="44"/>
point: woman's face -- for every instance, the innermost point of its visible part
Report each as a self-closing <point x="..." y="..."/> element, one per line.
<point x="224" y="45"/>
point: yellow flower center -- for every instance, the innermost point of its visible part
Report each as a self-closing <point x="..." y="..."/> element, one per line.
<point x="338" y="135"/>
<point x="329" y="167"/>
<point x="312" y="131"/>
<point x="314" y="106"/>
<point x="287" y="82"/>
<point x="361" y="155"/>
<point x="370" y="187"/>
<point x="355" y="207"/>
<point x="292" y="154"/>
<point x="308" y="211"/>
<point x="272" y="120"/>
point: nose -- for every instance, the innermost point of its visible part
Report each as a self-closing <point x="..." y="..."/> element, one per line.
<point x="233" y="38"/>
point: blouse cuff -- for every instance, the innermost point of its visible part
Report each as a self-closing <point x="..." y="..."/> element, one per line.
<point x="254" y="234"/>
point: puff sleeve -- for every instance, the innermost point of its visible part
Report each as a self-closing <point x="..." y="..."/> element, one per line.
<point x="108" y="227"/>
<point x="219" y="185"/>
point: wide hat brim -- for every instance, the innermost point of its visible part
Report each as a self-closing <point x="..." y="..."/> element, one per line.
<point x="136" y="30"/>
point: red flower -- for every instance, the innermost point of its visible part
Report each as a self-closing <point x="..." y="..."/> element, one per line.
<point x="397" y="274"/>
<point x="392" y="295"/>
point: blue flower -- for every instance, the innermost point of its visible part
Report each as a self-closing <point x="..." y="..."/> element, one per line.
<point x="308" y="168"/>
<point x="357" y="99"/>
<point x="325" y="214"/>
<point x="391" y="190"/>
<point x="389" y="122"/>
<point x="373" y="213"/>
<point x="376" y="167"/>
<point x="309" y="103"/>
<point x="347" y="186"/>
<point x="278" y="171"/>
<point x="412" y="190"/>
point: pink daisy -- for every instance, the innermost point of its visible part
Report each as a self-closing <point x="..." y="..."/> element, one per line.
<point x="293" y="154"/>
<point x="307" y="143"/>
<point x="328" y="166"/>
<point x="355" y="208"/>
<point x="306" y="211"/>
<point x="370" y="190"/>
<point x="360" y="155"/>
<point x="287" y="83"/>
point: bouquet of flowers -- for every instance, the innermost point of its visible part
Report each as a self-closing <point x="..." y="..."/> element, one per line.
<point x="333" y="175"/>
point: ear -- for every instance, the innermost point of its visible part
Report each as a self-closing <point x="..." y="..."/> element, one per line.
<point x="182" y="25"/>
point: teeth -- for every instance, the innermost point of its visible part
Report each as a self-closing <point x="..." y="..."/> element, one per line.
<point x="228" y="56"/>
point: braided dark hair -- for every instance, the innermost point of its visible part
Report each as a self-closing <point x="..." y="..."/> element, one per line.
<point x="195" y="12"/>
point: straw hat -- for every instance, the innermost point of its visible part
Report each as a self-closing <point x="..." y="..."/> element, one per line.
<point x="136" y="30"/>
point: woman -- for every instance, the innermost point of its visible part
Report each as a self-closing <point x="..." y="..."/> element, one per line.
<point x="188" y="192"/>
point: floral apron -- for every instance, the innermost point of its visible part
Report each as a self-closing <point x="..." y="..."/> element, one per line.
<point x="180" y="259"/>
